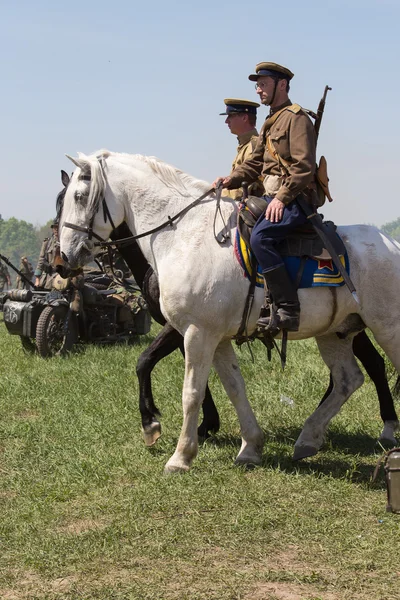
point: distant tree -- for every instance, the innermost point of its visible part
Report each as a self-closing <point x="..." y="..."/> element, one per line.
<point x="392" y="229"/>
<point x="19" y="238"/>
<point x="43" y="231"/>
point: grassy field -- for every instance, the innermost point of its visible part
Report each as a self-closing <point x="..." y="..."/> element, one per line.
<point x="86" y="512"/>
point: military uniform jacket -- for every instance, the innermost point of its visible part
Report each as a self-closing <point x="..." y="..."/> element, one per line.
<point x="247" y="144"/>
<point x="4" y="273"/>
<point x="48" y="253"/>
<point x="27" y="269"/>
<point x="294" y="140"/>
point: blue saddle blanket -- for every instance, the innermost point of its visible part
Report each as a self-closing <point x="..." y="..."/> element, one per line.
<point x="316" y="273"/>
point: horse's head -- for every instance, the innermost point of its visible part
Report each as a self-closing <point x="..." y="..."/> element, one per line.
<point x="90" y="211"/>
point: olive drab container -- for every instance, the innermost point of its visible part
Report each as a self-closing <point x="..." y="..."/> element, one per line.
<point x="392" y="475"/>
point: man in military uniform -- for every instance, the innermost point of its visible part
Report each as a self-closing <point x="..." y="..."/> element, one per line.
<point x="45" y="270"/>
<point x="26" y="268"/>
<point x="285" y="156"/>
<point x="4" y="276"/>
<point x="241" y="118"/>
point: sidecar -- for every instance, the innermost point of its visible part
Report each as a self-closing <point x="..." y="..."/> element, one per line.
<point x="47" y="323"/>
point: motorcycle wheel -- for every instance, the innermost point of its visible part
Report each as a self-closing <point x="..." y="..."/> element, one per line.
<point x="50" y="337"/>
<point x="28" y="345"/>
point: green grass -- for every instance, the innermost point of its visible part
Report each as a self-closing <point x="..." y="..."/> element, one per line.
<point x="86" y="512"/>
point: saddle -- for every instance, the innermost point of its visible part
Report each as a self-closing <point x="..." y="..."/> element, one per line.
<point x="303" y="241"/>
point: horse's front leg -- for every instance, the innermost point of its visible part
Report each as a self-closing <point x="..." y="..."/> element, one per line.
<point x="227" y="367"/>
<point x="199" y="353"/>
<point x="347" y="377"/>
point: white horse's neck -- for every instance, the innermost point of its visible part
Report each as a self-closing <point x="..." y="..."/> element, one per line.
<point x="153" y="191"/>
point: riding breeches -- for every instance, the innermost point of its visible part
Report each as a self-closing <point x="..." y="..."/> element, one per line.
<point x="266" y="235"/>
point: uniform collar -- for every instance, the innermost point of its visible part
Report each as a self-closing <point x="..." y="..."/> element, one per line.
<point x="246" y="137"/>
<point x="274" y="110"/>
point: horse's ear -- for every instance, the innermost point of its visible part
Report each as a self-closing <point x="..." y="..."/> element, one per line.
<point x="83" y="164"/>
<point x="64" y="178"/>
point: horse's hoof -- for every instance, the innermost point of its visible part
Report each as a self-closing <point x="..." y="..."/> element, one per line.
<point x="151" y="433"/>
<point x="304" y="452"/>
<point x="387" y="437"/>
<point x="387" y="441"/>
<point x="248" y="462"/>
<point x="173" y="469"/>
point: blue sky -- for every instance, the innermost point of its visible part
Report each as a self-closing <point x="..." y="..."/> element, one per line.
<point x="150" y="78"/>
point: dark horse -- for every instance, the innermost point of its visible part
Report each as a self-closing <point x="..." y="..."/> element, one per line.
<point x="169" y="340"/>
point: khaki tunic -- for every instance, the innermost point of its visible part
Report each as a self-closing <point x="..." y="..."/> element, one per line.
<point x="4" y="276"/>
<point x="247" y="144"/>
<point x="294" y="140"/>
<point x="27" y="269"/>
<point x="45" y="267"/>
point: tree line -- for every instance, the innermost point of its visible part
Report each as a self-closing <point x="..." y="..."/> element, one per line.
<point x="19" y="238"/>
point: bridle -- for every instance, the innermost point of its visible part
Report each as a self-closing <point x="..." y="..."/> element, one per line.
<point x="106" y="212"/>
<point x="89" y="229"/>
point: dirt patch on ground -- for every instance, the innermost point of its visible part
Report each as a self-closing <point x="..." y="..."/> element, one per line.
<point x="81" y="526"/>
<point x="7" y="495"/>
<point x="28" y="415"/>
<point x="289" y="591"/>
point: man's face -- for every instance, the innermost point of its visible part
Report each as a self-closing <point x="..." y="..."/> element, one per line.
<point x="237" y="123"/>
<point x="265" y="89"/>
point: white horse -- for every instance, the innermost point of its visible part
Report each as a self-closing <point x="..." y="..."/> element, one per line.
<point x="203" y="290"/>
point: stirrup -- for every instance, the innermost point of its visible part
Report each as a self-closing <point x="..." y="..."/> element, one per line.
<point x="280" y="319"/>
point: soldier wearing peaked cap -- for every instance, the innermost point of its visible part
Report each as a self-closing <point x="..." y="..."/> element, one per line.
<point x="241" y="118"/>
<point x="285" y="157"/>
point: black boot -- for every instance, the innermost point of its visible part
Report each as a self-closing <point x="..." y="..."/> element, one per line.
<point x="284" y="296"/>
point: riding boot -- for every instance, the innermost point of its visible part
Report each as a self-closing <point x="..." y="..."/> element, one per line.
<point x="284" y="296"/>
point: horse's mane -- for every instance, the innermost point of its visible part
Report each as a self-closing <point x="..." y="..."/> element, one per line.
<point x="170" y="176"/>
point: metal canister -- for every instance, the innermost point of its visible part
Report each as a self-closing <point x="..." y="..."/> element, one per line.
<point x="392" y="473"/>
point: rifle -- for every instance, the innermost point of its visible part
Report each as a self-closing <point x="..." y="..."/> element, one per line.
<point x="316" y="219"/>
<point x="320" y="111"/>
<point x="24" y="277"/>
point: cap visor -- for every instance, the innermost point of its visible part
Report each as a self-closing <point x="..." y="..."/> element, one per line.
<point x="253" y="77"/>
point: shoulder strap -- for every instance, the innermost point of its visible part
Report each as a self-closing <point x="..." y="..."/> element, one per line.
<point x="294" y="108"/>
<point x="253" y="143"/>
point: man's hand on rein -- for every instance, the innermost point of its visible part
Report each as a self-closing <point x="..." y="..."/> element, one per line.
<point x="225" y="182"/>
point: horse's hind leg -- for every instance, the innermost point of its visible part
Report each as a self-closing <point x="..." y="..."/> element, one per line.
<point x="374" y="364"/>
<point x="227" y="367"/>
<point x="347" y="377"/>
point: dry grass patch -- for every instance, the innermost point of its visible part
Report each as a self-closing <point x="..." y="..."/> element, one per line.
<point x="28" y="415"/>
<point x="289" y="591"/>
<point x="82" y="526"/>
